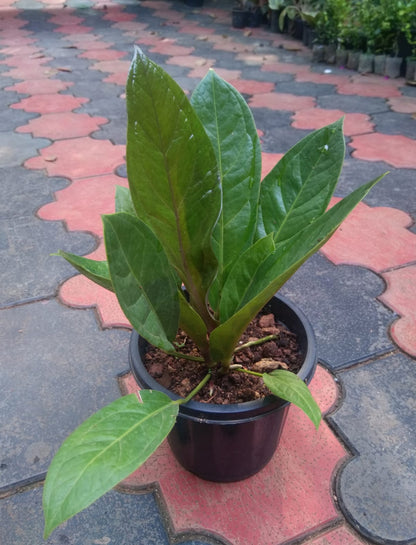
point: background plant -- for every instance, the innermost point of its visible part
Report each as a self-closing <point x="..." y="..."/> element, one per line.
<point x="195" y="214"/>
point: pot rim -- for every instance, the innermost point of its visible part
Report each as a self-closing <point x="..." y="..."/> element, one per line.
<point x="234" y="411"/>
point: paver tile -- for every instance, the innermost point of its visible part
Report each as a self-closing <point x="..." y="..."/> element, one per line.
<point x="400" y="296"/>
<point x="387" y="243"/>
<point x="299" y="473"/>
<point x="281" y="101"/>
<point x="49" y="103"/>
<point x="396" y="150"/>
<point x="40" y="86"/>
<point x="79" y="158"/>
<point x="316" y="118"/>
<point x="82" y="203"/>
<point x="62" y="125"/>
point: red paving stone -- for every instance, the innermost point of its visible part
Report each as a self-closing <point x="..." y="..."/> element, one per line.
<point x="190" y="61"/>
<point x="120" y="67"/>
<point x="252" y="59"/>
<point x="102" y="54"/>
<point x="315" y="118"/>
<point x="396" y="150"/>
<point x="49" y="103"/>
<point x="40" y="86"/>
<point x="400" y="296"/>
<point x="79" y="158"/>
<point x="63" y="125"/>
<point x="337" y="536"/>
<point x="252" y="87"/>
<point x="82" y="203"/>
<point x="386" y="242"/>
<point x="269" y="161"/>
<point x="282" y="101"/>
<point x="265" y="508"/>
<point x="369" y="86"/>
<point x="169" y="47"/>
<point x="285" y="68"/>
<point x="403" y="104"/>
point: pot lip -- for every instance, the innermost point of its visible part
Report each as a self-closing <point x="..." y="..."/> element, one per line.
<point x="235" y="410"/>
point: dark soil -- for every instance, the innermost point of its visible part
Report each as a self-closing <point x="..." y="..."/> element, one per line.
<point x="182" y="375"/>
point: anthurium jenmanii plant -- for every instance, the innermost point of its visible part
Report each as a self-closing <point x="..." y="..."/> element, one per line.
<point x="196" y="216"/>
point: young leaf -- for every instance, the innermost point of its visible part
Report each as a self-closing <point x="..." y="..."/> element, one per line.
<point x="275" y="270"/>
<point x="290" y="387"/>
<point x="173" y="174"/>
<point x="104" y="450"/>
<point x="97" y="271"/>
<point x="123" y="200"/>
<point x="149" y="300"/>
<point x="229" y="124"/>
<point x="298" y="189"/>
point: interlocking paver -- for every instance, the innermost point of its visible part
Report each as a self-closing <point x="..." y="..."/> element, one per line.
<point x="364" y="320"/>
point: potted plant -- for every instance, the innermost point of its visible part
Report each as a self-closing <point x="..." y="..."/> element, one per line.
<point x="196" y="216"/>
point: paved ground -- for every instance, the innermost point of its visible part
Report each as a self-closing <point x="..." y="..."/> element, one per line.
<point x="64" y="341"/>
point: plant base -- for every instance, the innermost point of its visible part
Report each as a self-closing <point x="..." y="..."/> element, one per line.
<point x="225" y="443"/>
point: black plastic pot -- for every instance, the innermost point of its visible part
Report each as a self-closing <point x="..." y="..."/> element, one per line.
<point x="194" y="3"/>
<point x="239" y="18"/>
<point x="226" y="443"/>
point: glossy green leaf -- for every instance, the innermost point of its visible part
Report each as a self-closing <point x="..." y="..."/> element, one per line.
<point x="193" y="325"/>
<point x="104" y="450"/>
<point x="230" y="126"/>
<point x="124" y="202"/>
<point x="142" y="278"/>
<point x="244" y="272"/>
<point x="290" y="387"/>
<point x="299" y="188"/>
<point x="97" y="271"/>
<point x="173" y="174"/>
<point x="274" y="271"/>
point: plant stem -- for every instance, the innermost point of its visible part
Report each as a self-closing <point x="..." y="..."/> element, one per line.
<point x="194" y="391"/>
<point x="256" y="342"/>
<point x="186" y="356"/>
<point x="242" y="370"/>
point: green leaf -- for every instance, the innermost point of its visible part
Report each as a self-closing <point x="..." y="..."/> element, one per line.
<point x="299" y="188"/>
<point x="97" y="271"/>
<point x="123" y="200"/>
<point x="103" y="451"/>
<point x="242" y="274"/>
<point x="143" y="279"/>
<point x="173" y="174"/>
<point x="192" y="324"/>
<point x="290" y="387"/>
<point x="230" y="126"/>
<point x="274" y="271"/>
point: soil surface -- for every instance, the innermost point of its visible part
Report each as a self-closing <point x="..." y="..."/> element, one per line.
<point x="182" y="375"/>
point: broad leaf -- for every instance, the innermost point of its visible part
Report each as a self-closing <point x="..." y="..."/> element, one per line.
<point x="173" y="174"/>
<point x="230" y="126"/>
<point x="142" y="278"/>
<point x="247" y="266"/>
<point x="97" y="271"/>
<point x="104" y="450"/>
<point x="123" y="200"/>
<point x="191" y="322"/>
<point x="299" y="188"/>
<point x="290" y="387"/>
<point x="274" y="272"/>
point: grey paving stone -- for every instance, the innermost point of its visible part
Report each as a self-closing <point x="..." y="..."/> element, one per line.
<point x="395" y="123"/>
<point x="306" y="88"/>
<point x="393" y="190"/>
<point x="23" y="191"/>
<point x="58" y="369"/>
<point x="16" y="148"/>
<point x="377" y="487"/>
<point x="279" y="136"/>
<point x="340" y="303"/>
<point x="11" y="119"/>
<point x="28" y="270"/>
<point x="352" y="103"/>
<point x="120" y="519"/>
